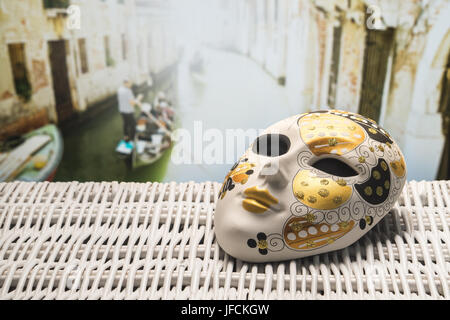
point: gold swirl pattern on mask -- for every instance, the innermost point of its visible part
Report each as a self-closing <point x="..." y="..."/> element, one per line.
<point x="300" y="233"/>
<point x="326" y="133"/>
<point x="399" y="167"/>
<point x="320" y="193"/>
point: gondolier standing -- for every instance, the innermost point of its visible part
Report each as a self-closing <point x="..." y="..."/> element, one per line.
<point x="127" y="103"/>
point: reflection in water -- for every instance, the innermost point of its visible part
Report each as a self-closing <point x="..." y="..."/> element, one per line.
<point x="231" y="93"/>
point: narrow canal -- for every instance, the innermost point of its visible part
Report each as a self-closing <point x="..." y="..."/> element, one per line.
<point x="232" y="92"/>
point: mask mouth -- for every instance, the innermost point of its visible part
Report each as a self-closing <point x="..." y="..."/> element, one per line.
<point x="335" y="167"/>
<point x="258" y="200"/>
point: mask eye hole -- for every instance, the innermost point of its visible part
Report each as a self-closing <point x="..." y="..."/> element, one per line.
<point x="335" y="167"/>
<point x="271" y="145"/>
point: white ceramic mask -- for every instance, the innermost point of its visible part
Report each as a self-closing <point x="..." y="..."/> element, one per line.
<point x="310" y="184"/>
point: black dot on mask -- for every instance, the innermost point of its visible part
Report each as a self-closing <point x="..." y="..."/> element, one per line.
<point x="362" y="224"/>
<point x="251" y="243"/>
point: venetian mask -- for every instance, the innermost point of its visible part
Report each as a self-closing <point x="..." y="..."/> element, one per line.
<point x="310" y="184"/>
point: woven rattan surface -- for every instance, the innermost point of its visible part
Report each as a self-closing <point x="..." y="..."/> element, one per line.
<point x="156" y="241"/>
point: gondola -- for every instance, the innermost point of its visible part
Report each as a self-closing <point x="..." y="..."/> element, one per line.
<point x="34" y="156"/>
<point x="153" y="138"/>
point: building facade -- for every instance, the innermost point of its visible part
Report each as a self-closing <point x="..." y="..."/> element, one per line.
<point x="68" y="56"/>
<point x="385" y="59"/>
<point x="157" y="35"/>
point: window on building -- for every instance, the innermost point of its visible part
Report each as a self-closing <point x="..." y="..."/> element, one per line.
<point x="124" y="47"/>
<point x="19" y="70"/>
<point x="375" y="71"/>
<point x="51" y="4"/>
<point x="77" y="71"/>
<point x="83" y="55"/>
<point x="108" y="59"/>
<point x="444" y="109"/>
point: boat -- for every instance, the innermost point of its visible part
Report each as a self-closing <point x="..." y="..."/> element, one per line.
<point x="34" y="157"/>
<point x="153" y="138"/>
<point x="197" y="64"/>
<point x="148" y="151"/>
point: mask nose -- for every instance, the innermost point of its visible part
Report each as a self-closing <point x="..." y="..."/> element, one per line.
<point x="274" y="175"/>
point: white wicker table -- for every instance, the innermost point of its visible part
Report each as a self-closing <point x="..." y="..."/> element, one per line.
<point x="156" y="241"/>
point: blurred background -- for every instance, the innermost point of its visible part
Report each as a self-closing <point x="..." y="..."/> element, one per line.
<point x="212" y="65"/>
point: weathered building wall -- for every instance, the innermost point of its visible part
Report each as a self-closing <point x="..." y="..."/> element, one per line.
<point x="323" y="32"/>
<point x="113" y="19"/>
<point x="295" y="57"/>
<point x="422" y="48"/>
<point x="157" y="37"/>
<point x="258" y="50"/>
<point x="162" y="49"/>
<point x="305" y="58"/>
<point x="18" y="26"/>
<point x="243" y="25"/>
<point x="276" y="43"/>
<point x="412" y="88"/>
<point x="98" y="20"/>
<point x="350" y="66"/>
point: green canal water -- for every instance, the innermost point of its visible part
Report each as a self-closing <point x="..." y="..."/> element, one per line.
<point x="89" y="154"/>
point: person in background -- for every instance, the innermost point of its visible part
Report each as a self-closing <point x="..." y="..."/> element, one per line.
<point x="160" y="97"/>
<point x="127" y="103"/>
<point x="156" y="111"/>
<point x="166" y="114"/>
